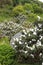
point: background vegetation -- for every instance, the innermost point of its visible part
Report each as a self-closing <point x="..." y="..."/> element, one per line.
<point x="11" y="8"/>
<point x="19" y="11"/>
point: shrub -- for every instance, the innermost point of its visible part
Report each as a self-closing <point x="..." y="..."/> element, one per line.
<point x="7" y="54"/>
<point x="17" y="10"/>
<point x="29" y="47"/>
<point x="37" y="9"/>
<point x="20" y="9"/>
<point x="32" y="17"/>
<point x="28" y="7"/>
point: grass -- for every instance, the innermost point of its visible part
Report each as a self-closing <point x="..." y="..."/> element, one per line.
<point x="4" y="40"/>
<point x="2" y="18"/>
<point x="5" y="14"/>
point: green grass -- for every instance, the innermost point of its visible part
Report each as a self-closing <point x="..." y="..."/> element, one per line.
<point x="2" y="18"/>
<point x="4" y="40"/>
<point x="5" y="14"/>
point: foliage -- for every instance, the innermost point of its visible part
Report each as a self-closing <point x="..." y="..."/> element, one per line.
<point x="5" y="13"/>
<point x="16" y="2"/>
<point x="7" y="55"/>
<point x="4" y="40"/>
<point x="5" y="2"/>
<point x="28" y="7"/>
<point x="18" y="9"/>
<point x="29" y="47"/>
<point x="37" y="9"/>
<point x="26" y="10"/>
<point x="11" y="8"/>
<point x="32" y="17"/>
<point x="30" y="11"/>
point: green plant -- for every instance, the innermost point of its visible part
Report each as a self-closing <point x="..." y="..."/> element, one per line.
<point x="37" y="9"/>
<point x="4" y="40"/>
<point x="29" y="47"/>
<point x="7" y="54"/>
<point x="28" y="8"/>
<point x="17" y="10"/>
<point x="32" y="17"/>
